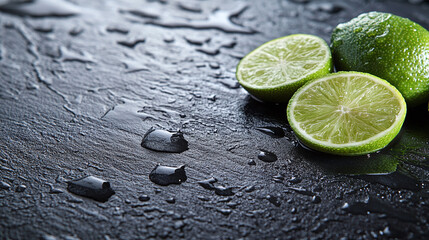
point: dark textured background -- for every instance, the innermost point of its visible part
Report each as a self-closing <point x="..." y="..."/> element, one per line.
<point x="76" y="98"/>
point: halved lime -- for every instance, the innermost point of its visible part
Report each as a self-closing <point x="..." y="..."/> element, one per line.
<point x="347" y="113"/>
<point x="276" y="69"/>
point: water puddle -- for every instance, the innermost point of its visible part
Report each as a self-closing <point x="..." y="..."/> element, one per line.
<point x="68" y="55"/>
<point x="127" y="113"/>
<point x="91" y="187"/>
<point x="163" y="175"/>
<point x="41" y="8"/>
<point x="164" y="141"/>
<point x="217" y="19"/>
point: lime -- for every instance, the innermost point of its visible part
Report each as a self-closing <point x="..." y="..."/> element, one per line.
<point x="276" y="69"/>
<point x="388" y="46"/>
<point x="347" y="113"/>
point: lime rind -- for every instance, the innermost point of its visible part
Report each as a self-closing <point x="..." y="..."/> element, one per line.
<point x="361" y="145"/>
<point x="275" y="70"/>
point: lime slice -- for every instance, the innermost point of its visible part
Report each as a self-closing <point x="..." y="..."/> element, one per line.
<point x="276" y="69"/>
<point x="347" y="113"/>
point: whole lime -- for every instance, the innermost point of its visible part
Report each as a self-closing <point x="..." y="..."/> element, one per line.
<point x="388" y="46"/>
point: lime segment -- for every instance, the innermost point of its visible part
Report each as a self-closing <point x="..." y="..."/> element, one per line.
<point x="347" y="113"/>
<point x="275" y="70"/>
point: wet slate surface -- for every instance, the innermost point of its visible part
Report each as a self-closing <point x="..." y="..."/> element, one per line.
<point x="83" y="81"/>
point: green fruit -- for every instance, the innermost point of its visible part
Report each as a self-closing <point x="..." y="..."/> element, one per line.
<point x="276" y="69"/>
<point x="347" y="113"/>
<point x="390" y="47"/>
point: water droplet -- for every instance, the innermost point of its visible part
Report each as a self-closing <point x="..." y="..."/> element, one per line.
<point x="20" y="188"/>
<point x="278" y="178"/>
<point x="232" y="205"/>
<point x="164" y="141"/>
<point x="219" y="189"/>
<point x="75" y="31"/>
<point x="144" y="198"/>
<point x="267" y="156"/>
<point x="190" y="7"/>
<point x="203" y="198"/>
<point x="197" y="40"/>
<point x="224" y="211"/>
<point x="151" y="13"/>
<point x="377" y="206"/>
<point x="211" y="51"/>
<point x="43" y="28"/>
<point x="214" y="65"/>
<point x="302" y="191"/>
<point x="212" y="98"/>
<point x="117" y="29"/>
<point x="131" y="43"/>
<point x="171" y="200"/>
<point x="91" y="187"/>
<point x="179" y="224"/>
<point x="316" y="199"/>
<point x="41" y="8"/>
<point x="295" y="180"/>
<point x="275" y="132"/>
<point x="168" y="39"/>
<point x="163" y="175"/>
<point x="274" y="200"/>
<point x="224" y="191"/>
<point x="55" y="190"/>
<point x="4" y="185"/>
<point x="251" y="162"/>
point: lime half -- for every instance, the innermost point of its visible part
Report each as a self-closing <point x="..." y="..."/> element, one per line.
<point x="347" y="113"/>
<point x="276" y="69"/>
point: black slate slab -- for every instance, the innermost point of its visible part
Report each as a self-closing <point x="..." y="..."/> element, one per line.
<point x="74" y="102"/>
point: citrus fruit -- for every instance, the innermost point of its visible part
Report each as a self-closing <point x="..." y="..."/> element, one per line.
<point x="276" y="69"/>
<point x="391" y="47"/>
<point x="346" y="113"/>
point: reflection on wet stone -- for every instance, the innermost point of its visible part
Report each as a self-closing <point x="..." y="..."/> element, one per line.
<point x="91" y="187"/>
<point x="374" y="205"/>
<point x="164" y="141"/>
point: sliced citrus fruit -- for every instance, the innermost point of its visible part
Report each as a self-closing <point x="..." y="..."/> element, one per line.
<point x="347" y="113"/>
<point x="276" y="69"/>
